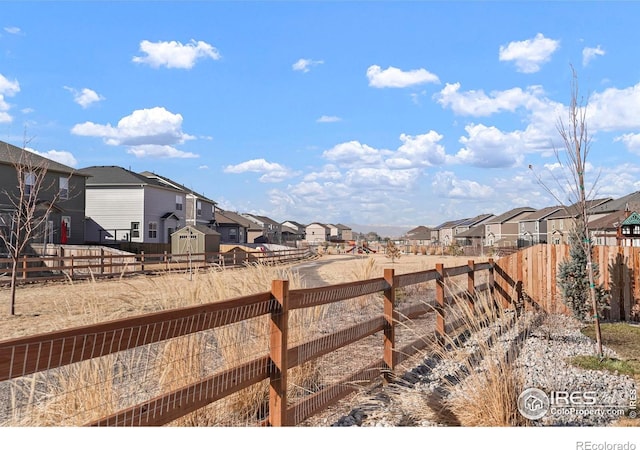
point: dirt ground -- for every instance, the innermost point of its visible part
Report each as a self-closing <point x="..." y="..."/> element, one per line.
<point x="52" y="306"/>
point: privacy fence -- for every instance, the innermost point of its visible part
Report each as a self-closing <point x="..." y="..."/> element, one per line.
<point x="272" y="358"/>
<point x="533" y="273"/>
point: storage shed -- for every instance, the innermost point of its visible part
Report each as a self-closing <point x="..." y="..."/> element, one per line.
<point x="195" y="239"/>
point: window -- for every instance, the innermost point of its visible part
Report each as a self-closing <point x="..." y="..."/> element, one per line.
<point x="233" y="235"/>
<point x="561" y="224"/>
<point x="153" y="230"/>
<point x="178" y="203"/>
<point x="29" y="182"/>
<point x="63" y="188"/>
<point x="199" y="208"/>
<point x="537" y="226"/>
<point x="636" y="229"/>
<point x="135" y="229"/>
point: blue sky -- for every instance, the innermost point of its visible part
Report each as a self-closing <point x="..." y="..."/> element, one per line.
<point x="377" y="113"/>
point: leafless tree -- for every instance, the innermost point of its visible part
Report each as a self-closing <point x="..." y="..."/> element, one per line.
<point x="27" y="215"/>
<point x="577" y="144"/>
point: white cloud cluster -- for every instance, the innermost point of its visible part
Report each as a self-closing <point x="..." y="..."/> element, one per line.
<point x="147" y="132"/>
<point x="85" y="97"/>
<point x="175" y="55"/>
<point x="530" y="54"/>
<point x="304" y="65"/>
<point x="63" y="157"/>
<point x="392" y="77"/>
<point x="271" y="172"/>
<point x="7" y="89"/>
<point x="12" y="30"/>
<point x="448" y="185"/>
<point x="478" y="104"/>
<point x="589" y="53"/>
<point x="328" y="119"/>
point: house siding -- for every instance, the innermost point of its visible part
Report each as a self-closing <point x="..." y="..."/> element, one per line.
<point x="115" y="208"/>
<point x="157" y="203"/>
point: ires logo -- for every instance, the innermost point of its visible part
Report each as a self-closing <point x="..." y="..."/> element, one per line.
<point x="575" y="398"/>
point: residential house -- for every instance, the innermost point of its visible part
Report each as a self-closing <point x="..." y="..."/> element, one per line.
<point x="502" y="231"/>
<point x="62" y="192"/>
<point x="234" y="228"/>
<point x="316" y="233"/>
<point x="474" y="238"/>
<point x="199" y="210"/>
<point x="533" y="228"/>
<point x="629" y="230"/>
<point x="561" y="222"/>
<point x="446" y="233"/>
<point x="292" y="232"/>
<point x="605" y="230"/>
<point x="467" y="224"/>
<point x="127" y="206"/>
<point x="271" y="229"/>
<point x="629" y="201"/>
<point x="418" y="236"/>
<point x="345" y="231"/>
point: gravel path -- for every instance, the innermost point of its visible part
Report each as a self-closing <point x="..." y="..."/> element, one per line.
<point x="416" y="397"/>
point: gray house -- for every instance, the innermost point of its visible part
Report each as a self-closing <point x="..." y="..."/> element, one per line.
<point x="533" y="228"/>
<point x="62" y="192"/>
<point x="502" y="231"/>
<point x="126" y="206"/>
<point x="198" y="210"/>
<point x="233" y="228"/>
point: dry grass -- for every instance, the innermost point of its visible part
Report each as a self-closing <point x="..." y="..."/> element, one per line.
<point x="53" y="306"/>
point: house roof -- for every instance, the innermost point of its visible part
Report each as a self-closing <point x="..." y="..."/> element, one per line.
<point x="608" y="222"/>
<point x="574" y="210"/>
<point x="633" y="219"/>
<point x="297" y="224"/>
<point x="318" y="223"/>
<point x="10" y="154"/>
<point x="342" y="227"/>
<point x="449" y="224"/>
<point x="419" y="233"/>
<point x="541" y="213"/>
<point x="119" y="176"/>
<point x="232" y="218"/>
<point x="173" y="184"/>
<point x="473" y="232"/>
<point x="200" y="228"/>
<point x="505" y="217"/>
<point x="619" y="204"/>
<point x="475" y="220"/>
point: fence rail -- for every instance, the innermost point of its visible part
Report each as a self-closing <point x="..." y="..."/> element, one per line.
<point x="44" y="268"/>
<point x="23" y="356"/>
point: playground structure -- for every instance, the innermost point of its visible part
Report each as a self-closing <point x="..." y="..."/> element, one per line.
<point x="360" y="248"/>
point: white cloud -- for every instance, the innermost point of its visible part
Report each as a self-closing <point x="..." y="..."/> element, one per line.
<point x="304" y="65"/>
<point x="175" y="55"/>
<point x="530" y="54"/>
<point x="615" y="109"/>
<point x="148" y="132"/>
<point x="12" y="30"/>
<point x="272" y="172"/>
<point x="203" y="167"/>
<point x="85" y="97"/>
<point x="478" y="104"/>
<point x="490" y="147"/>
<point x="631" y="141"/>
<point x="158" y="151"/>
<point x="448" y="185"/>
<point x="589" y="53"/>
<point x="328" y="172"/>
<point x="7" y="89"/>
<point x="422" y="150"/>
<point x="396" y="78"/>
<point x="62" y="157"/>
<point x="354" y="153"/>
<point x="328" y="119"/>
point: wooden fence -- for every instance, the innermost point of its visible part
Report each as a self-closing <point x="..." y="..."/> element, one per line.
<point x="533" y="272"/>
<point x="101" y="263"/>
<point x="28" y="355"/>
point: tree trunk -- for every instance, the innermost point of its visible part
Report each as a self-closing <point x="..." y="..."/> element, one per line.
<point x="14" y="278"/>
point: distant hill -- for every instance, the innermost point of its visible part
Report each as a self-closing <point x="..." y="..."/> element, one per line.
<point x="382" y="230"/>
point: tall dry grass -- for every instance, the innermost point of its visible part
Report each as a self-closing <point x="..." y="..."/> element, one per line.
<point x="83" y="392"/>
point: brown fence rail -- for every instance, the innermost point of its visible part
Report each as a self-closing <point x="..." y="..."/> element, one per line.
<point x="28" y="355"/>
<point x="104" y="264"/>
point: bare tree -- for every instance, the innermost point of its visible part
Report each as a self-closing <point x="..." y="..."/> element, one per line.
<point x="27" y="213"/>
<point x="391" y="251"/>
<point x="577" y="144"/>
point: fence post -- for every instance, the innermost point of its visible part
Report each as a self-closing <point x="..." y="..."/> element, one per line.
<point x="24" y="267"/>
<point x="471" y="283"/>
<point x="440" y="329"/>
<point x="390" y="317"/>
<point x="166" y="260"/>
<point x="142" y="261"/>
<point x="492" y="279"/>
<point x="278" y="354"/>
<point x="101" y="260"/>
<point x="72" y="264"/>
